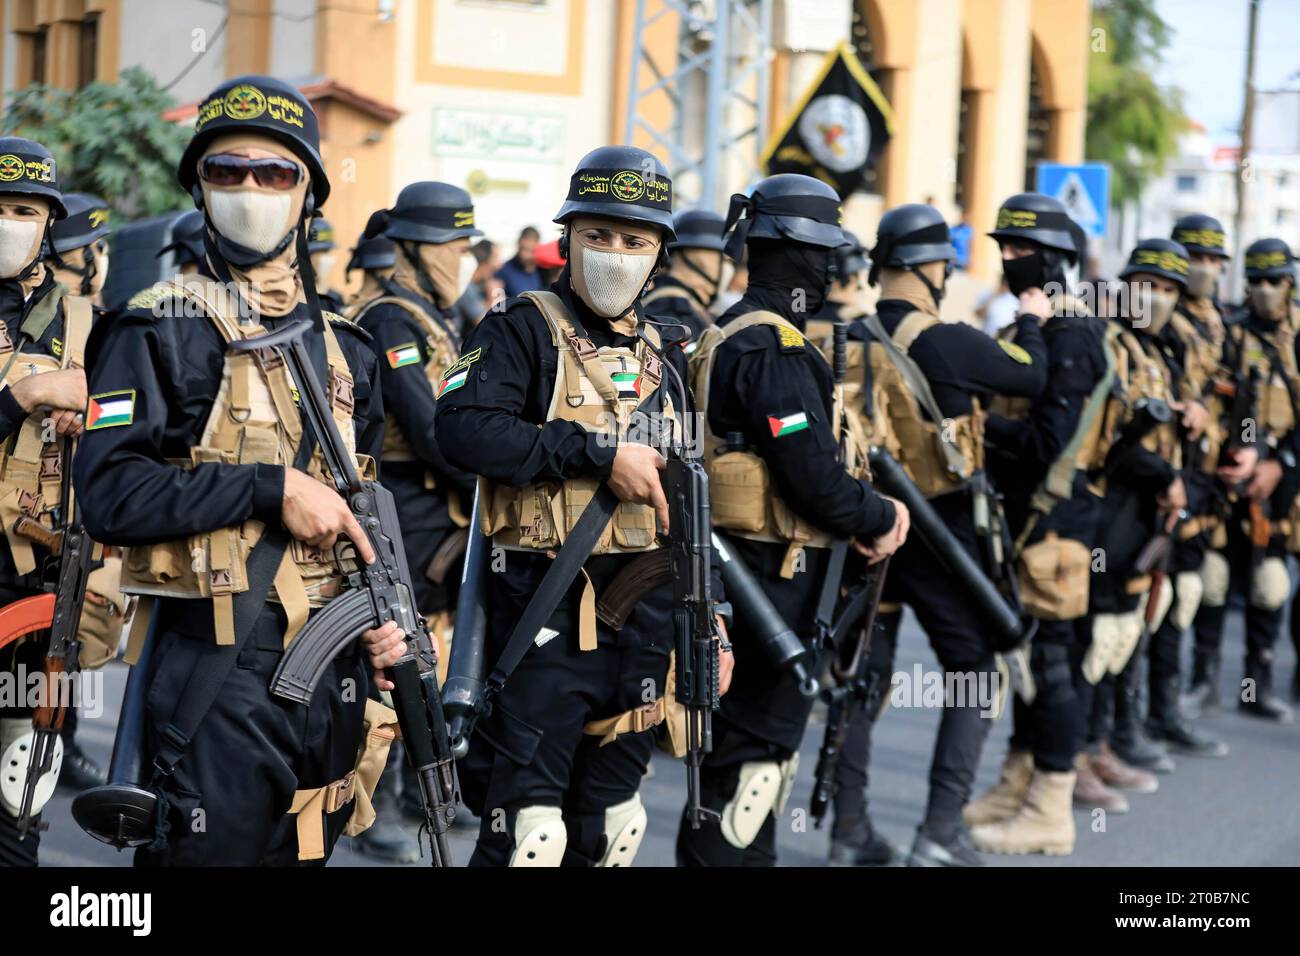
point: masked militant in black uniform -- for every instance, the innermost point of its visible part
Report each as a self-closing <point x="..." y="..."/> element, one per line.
<point x="788" y="489"/>
<point x="937" y="378"/>
<point x="1041" y="454"/>
<point x="320" y="243"/>
<point x="697" y="270"/>
<point x="42" y="356"/>
<point x="1260" y="354"/>
<point x="1194" y="338"/>
<point x="198" y="461"/>
<point x="546" y="404"/>
<point x="79" y="245"/>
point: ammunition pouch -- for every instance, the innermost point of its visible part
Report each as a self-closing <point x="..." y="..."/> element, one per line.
<point x="99" y="630"/>
<point x="1053" y="577"/>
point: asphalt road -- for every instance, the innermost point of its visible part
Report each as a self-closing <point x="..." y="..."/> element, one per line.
<point x="1242" y="810"/>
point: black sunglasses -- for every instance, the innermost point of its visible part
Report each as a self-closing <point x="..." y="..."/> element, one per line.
<point x="1268" y="280"/>
<point x="225" y="169"/>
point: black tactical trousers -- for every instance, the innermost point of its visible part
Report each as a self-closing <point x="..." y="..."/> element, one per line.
<point x="531" y="750"/>
<point x="27" y="655"/>
<point x="763" y="715"/>
<point x="227" y="802"/>
<point x="1051" y="726"/>
<point x="959" y="638"/>
<point x="1263" y="625"/>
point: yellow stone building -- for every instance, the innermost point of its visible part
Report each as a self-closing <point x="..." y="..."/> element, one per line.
<point x="504" y="96"/>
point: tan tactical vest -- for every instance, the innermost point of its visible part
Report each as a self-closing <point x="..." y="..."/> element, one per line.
<point x="742" y="496"/>
<point x="442" y="353"/>
<point x="872" y="429"/>
<point x="599" y="389"/>
<point x="920" y="441"/>
<point x="31" y="463"/>
<point x="1142" y="373"/>
<point x="1202" y="361"/>
<point x="254" y="420"/>
<point x="1275" y="412"/>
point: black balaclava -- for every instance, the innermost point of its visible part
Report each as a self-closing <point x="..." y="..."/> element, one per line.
<point x="1035" y="271"/>
<point x="779" y="267"/>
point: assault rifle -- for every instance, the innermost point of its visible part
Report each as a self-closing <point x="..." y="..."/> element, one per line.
<point x="375" y="594"/>
<point x="854" y="685"/>
<point x="59" y="609"/>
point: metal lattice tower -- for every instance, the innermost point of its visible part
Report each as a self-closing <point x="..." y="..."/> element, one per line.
<point x="715" y="95"/>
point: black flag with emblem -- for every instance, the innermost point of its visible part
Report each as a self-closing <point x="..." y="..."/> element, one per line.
<point x="838" y="129"/>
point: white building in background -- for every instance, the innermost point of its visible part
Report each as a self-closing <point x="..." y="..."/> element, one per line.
<point x="1203" y="178"/>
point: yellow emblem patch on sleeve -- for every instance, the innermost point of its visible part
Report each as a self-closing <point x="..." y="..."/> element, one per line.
<point x="789" y="337"/>
<point x="1016" y="352"/>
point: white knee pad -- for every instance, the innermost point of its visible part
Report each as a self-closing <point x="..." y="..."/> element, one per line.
<point x="1105" y="639"/>
<point x="1188" y="588"/>
<point x="1164" y="601"/>
<point x="1270" y="585"/>
<point x="540" y="837"/>
<point x="16" y="741"/>
<point x="763" y="788"/>
<point x="1215" y="575"/>
<point x="1130" y="632"/>
<point x="624" y="829"/>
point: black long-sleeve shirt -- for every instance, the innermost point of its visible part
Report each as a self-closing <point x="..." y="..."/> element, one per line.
<point x="760" y="381"/>
<point x="495" y="425"/>
<point x="408" y="394"/>
<point x="170" y="362"/>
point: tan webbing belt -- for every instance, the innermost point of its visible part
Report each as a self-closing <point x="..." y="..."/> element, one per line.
<point x="144" y="608"/>
<point x="311" y="806"/>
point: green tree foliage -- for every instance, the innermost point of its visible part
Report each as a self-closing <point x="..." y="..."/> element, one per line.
<point x="1133" y="122"/>
<point x="108" y="139"/>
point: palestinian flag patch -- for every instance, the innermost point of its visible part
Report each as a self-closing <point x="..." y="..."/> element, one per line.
<point x="629" y="384"/>
<point x="787" y="425"/>
<point x="403" y="355"/>
<point x="110" y="409"/>
<point x="452" y="382"/>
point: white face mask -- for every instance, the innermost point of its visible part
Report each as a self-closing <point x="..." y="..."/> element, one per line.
<point x="465" y="273"/>
<point x="1154" y="309"/>
<point x="1269" y="301"/>
<point x="1201" y="279"/>
<point x="18" y="241"/>
<point x="609" y="282"/>
<point x="251" y="217"/>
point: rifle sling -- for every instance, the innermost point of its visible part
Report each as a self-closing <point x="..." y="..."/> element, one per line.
<point x="210" y="673"/>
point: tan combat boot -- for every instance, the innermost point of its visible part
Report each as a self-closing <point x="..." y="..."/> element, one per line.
<point x="1045" y="823"/>
<point x="1004" y="799"/>
<point x="1119" y="775"/>
<point x="1090" y="793"/>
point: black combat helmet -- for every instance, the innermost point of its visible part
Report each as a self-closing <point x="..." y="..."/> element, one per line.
<point x="377" y="252"/>
<point x="851" y="259"/>
<point x="1268" y="258"/>
<point x="320" y="235"/>
<point x="624" y="183"/>
<point x="257" y="105"/>
<point x="27" y="169"/>
<point x="698" y="229"/>
<point x="1198" y="232"/>
<point x="910" y="236"/>
<point x="1158" y="257"/>
<point x="786" y="206"/>
<point x="187" y="239"/>
<point x="87" y="220"/>
<point x="429" y="212"/>
<point x="1038" y="218"/>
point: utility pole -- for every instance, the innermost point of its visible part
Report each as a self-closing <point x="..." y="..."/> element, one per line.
<point x="1245" y="172"/>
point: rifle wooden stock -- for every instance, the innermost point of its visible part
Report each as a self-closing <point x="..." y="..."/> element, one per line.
<point x="34" y="531"/>
<point x="639" y="577"/>
<point x="447" y="556"/>
<point x="1260" y="526"/>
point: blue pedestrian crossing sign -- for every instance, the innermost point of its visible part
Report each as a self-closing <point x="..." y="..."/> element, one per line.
<point x="1084" y="190"/>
